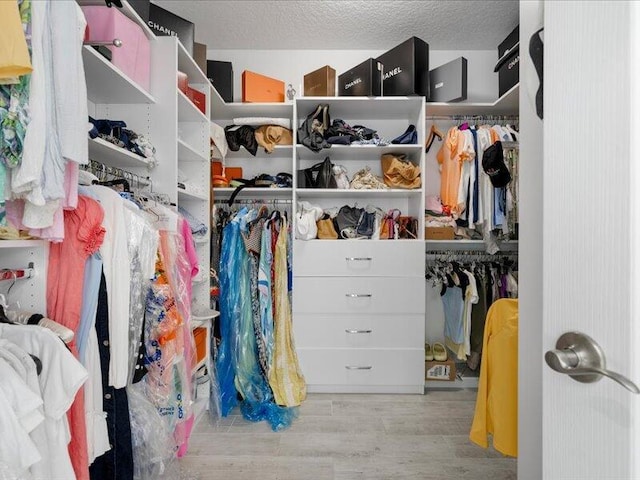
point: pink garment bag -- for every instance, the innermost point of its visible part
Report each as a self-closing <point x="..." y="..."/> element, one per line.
<point x="134" y="56"/>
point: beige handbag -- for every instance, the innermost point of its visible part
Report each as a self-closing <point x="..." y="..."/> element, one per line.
<point x="398" y="172"/>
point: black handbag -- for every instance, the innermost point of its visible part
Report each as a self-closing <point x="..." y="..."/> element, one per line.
<point x="311" y="132"/>
<point x="366" y="224"/>
<point x="348" y="217"/>
<point x="318" y="176"/>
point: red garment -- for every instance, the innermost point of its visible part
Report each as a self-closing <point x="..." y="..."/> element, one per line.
<point x="83" y="235"/>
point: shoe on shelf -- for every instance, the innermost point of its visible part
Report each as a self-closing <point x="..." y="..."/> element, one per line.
<point x="439" y="352"/>
<point x="428" y="353"/>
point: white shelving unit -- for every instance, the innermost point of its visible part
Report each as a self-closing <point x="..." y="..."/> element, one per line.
<point x="29" y="293"/>
<point x="109" y="154"/>
<point x="507" y="104"/>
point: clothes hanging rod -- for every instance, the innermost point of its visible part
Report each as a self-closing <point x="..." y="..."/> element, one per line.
<point x="514" y="118"/>
<point x="253" y="201"/>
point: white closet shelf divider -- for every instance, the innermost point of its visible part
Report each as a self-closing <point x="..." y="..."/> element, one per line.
<point x="187" y="111"/>
<point x="106" y="83"/>
<point x="507" y="104"/>
<point x="109" y="154"/>
<point x="189" y="194"/>
<point x="255" y="192"/>
<point x="186" y="153"/>
<point x="228" y="111"/>
<point x="465" y="244"/>
<point x="22" y="243"/>
<point x="357" y="152"/>
<point x="279" y="151"/>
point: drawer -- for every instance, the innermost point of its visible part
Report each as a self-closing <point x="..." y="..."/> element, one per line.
<point x="359" y="331"/>
<point x="370" y="295"/>
<point x="385" y="258"/>
<point x="374" y="367"/>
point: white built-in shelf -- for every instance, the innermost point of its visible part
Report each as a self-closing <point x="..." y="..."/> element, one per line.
<point x="106" y="83"/>
<point x="189" y="194"/>
<point x="109" y="154"/>
<point x="462" y="245"/>
<point x="334" y="192"/>
<point x="464" y="382"/>
<point x="22" y="243"/>
<point x="278" y="152"/>
<point x="128" y="11"/>
<point x="255" y="192"/>
<point x="186" y="153"/>
<point x="348" y="108"/>
<point x="357" y="152"/>
<point x="227" y="111"/>
<point x="187" y="111"/>
<point x="188" y="65"/>
<point x="507" y="104"/>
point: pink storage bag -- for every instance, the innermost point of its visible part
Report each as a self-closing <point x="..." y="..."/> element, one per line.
<point x="134" y="56"/>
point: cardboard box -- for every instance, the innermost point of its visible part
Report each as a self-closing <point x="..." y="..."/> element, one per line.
<point x="165" y="23"/>
<point x="233" y="172"/>
<point x="198" y="98"/>
<point x="448" y="82"/>
<point x="406" y="69"/>
<point x="220" y="75"/>
<point x="439" y="233"/>
<point x="183" y="82"/>
<point x="362" y="80"/>
<point x="258" y="88"/>
<point x="320" y="83"/>
<point x="509" y="72"/>
<point x="441" y="371"/>
<point x="200" y="56"/>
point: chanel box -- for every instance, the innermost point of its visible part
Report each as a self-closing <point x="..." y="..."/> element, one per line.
<point x="406" y="69"/>
<point x="220" y="75"/>
<point x="362" y="80"/>
<point x="448" y="82"/>
<point x="165" y="23"/>
<point x="320" y="83"/>
<point x="509" y="58"/>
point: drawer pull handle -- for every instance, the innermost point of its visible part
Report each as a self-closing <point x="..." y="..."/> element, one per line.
<point x="358" y="367"/>
<point x="358" y="259"/>
<point x="358" y="331"/>
<point x="359" y="295"/>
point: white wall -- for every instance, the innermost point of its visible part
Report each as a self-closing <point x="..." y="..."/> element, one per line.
<point x="290" y="66"/>
<point x="530" y="260"/>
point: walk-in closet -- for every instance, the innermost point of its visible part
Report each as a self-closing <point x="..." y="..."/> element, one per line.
<point x="319" y="239"/>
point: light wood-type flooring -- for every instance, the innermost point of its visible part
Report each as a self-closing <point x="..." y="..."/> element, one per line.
<point x="351" y="437"/>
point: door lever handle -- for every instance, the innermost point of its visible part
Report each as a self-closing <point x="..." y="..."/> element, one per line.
<point x="580" y="357"/>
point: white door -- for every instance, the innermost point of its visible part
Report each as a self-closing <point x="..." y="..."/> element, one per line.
<point x="591" y="247"/>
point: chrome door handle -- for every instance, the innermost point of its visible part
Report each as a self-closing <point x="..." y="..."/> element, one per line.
<point x="358" y="331"/>
<point x="359" y="295"/>
<point x="358" y="259"/>
<point x="358" y="367"/>
<point x="580" y="357"/>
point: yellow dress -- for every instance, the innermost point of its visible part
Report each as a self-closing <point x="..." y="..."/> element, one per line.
<point x="497" y="402"/>
<point x="14" y="54"/>
<point x="285" y="378"/>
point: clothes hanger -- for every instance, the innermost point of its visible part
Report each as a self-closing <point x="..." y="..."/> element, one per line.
<point x="434" y="132"/>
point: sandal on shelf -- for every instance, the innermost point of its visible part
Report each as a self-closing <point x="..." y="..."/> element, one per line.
<point x="428" y="353"/>
<point x="439" y="352"/>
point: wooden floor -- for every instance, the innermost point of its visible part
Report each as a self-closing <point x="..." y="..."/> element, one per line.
<point x="351" y="437"/>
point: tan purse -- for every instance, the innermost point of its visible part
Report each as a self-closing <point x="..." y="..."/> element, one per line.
<point x="326" y="230"/>
<point x="398" y="172"/>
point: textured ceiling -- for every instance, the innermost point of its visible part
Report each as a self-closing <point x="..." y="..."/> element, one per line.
<point x="347" y="24"/>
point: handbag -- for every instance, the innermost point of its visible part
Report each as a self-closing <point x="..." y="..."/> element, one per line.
<point x="340" y="174"/>
<point x="407" y="227"/>
<point x="326" y="229"/>
<point x="388" y="225"/>
<point x="398" y="172"/>
<point x="311" y="132"/>
<point x="366" y="224"/>
<point x="307" y="216"/>
<point x="318" y="176"/>
<point x="348" y="217"/>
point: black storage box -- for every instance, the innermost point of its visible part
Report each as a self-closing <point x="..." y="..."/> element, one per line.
<point x="163" y="22"/>
<point x="362" y="80"/>
<point x="406" y="69"/>
<point x="448" y="82"/>
<point x="509" y="59"/>
<point x="221" y="77"/>
<point x="142" y="8"/>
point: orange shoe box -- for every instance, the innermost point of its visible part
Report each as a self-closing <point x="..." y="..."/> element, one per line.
<point x="258" y="88"/>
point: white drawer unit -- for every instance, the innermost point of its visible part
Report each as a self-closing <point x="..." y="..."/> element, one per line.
<point x="359" y="331"/>
<point x="363" y="370"/>
<point x="362" y="295"/>
<point x="338" y="258"/>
